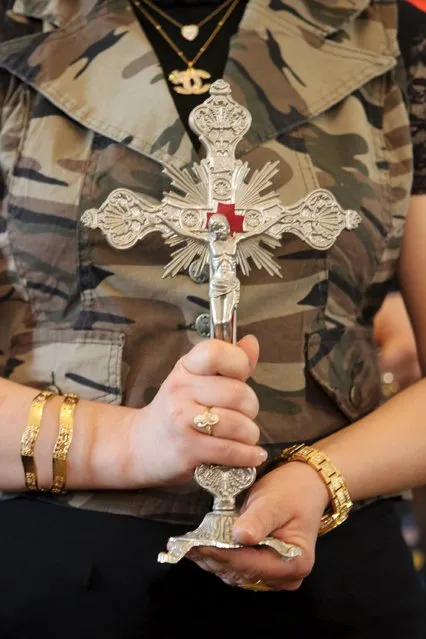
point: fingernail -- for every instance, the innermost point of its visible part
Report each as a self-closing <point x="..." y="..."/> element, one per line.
<point x="263" y="455"/>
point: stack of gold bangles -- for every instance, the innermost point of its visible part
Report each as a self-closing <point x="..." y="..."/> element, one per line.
<point x="62" y="445"/>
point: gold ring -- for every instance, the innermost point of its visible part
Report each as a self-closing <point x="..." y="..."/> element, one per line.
<point x="205" y="422"/>
<point x="257" y="586"/>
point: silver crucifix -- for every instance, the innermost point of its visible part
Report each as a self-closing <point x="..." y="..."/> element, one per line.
<point x="224" y="218"/>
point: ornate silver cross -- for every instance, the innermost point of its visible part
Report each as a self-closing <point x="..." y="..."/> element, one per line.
<point x="224" y="218"/>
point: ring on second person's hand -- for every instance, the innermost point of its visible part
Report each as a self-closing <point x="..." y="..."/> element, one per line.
<point x="257" y="586"/>
<point x="390" y="385"/>
<point x="205" y="422"/>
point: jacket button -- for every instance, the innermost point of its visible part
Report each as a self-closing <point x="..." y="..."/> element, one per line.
<point x="355" y="396"/>
<point x="202" y="325"/>
<point x="198" y="278"/>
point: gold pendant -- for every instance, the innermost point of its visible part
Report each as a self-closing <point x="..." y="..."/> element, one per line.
<point x="190" y="81"/>
<point x="189" y="32"/>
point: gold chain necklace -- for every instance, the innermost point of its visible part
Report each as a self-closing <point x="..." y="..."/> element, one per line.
<point x="190" y="80"/>
<point x="188" y="31"/>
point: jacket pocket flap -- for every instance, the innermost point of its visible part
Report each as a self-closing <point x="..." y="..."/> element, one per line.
<point x="88" y="363"/>
<point x="344" y="362"/>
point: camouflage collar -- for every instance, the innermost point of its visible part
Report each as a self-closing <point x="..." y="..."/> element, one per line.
<point x="90" y="56"/>
<point x="56" y="12"/>
<point x="327" y="16"/>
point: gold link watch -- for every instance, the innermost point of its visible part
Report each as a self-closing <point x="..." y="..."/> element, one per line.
<point x="340" y="500"/>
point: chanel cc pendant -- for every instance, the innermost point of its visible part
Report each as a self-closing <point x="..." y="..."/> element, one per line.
<point x="190" y="81"/>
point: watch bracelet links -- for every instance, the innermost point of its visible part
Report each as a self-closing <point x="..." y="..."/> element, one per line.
<point x="340" y="501"/>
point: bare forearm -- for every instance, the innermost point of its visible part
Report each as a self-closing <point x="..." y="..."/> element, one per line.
<point x="114" y="447"/>
<point x="384" y="452"/>
<point x="97" y="451"/>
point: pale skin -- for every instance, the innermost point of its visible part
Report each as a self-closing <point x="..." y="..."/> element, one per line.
<point x="395" y="337"/>
<point x="157" y="445"/>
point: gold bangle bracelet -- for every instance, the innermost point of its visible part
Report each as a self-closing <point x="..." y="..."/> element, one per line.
<point x="340" y="500"/>
<point x="63" y="443"/>
<point x="29" y="438"/>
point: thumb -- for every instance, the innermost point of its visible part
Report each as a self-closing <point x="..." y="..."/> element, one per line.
<point x="250" y="346"/>
<point x="258" y="521"/>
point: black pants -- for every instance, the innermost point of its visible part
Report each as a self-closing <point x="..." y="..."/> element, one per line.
<point x="67" y="573"/>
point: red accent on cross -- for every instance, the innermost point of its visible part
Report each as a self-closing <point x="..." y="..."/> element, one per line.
<point x="228" y="210"/>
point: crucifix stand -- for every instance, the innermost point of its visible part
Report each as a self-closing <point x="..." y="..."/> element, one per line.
<point x="218" y="214"/>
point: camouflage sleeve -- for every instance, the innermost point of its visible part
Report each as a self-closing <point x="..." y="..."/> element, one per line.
<point x="417" y="103"/>
<point x="12" y="25"/>
<point x="412" y="43"/>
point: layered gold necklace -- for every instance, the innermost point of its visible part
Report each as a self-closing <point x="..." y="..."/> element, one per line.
<point x="188" y="31"/>
<point x="189" y="81"/>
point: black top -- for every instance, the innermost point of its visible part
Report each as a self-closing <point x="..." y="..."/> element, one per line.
<point x="412" y="28"/>
<point x="213" y="60"/>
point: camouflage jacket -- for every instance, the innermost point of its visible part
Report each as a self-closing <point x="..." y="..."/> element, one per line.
<point x="85" y="108"/>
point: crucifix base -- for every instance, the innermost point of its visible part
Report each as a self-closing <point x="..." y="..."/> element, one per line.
<point x="216" y="531"/>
